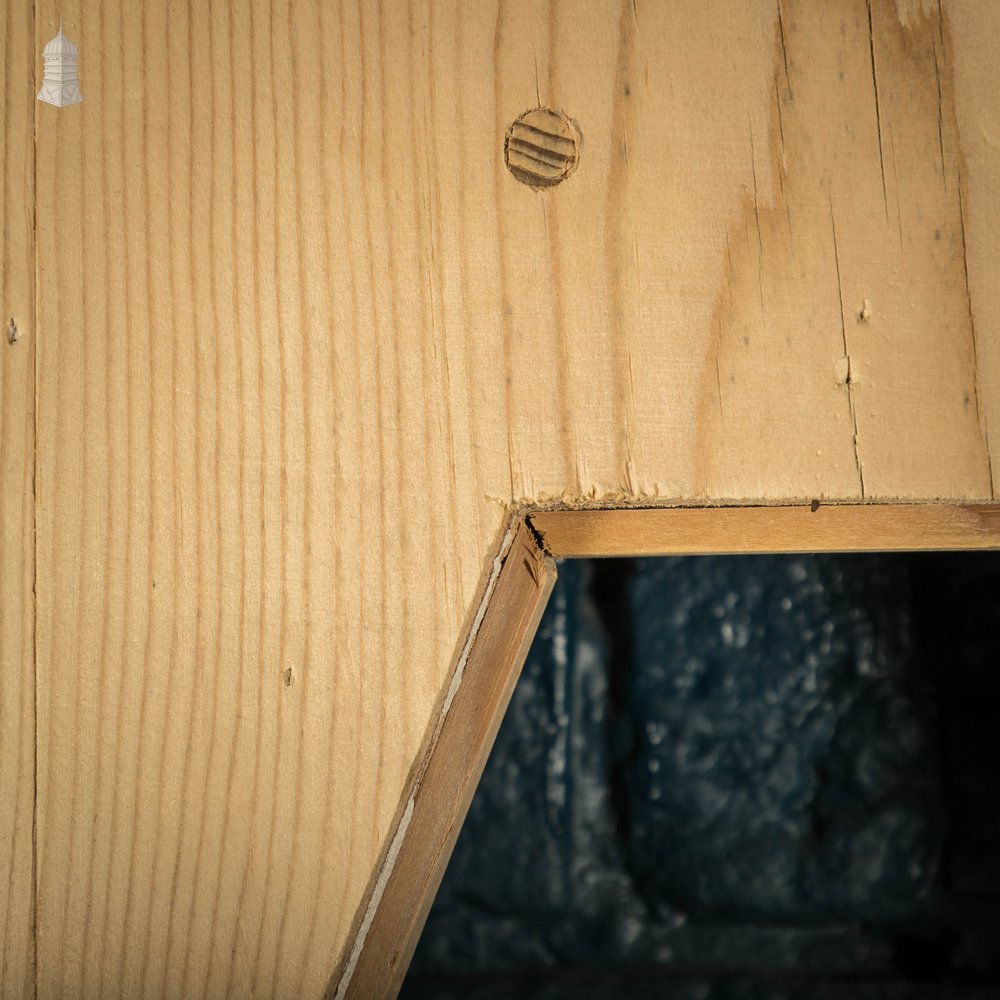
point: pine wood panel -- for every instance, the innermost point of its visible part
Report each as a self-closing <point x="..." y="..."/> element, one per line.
<point x="17" y="363"/>
<point x="305" y="342"/>
<point x="229" y="653"/>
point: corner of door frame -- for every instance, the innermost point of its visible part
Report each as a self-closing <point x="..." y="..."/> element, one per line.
<point x="443" y="781"/>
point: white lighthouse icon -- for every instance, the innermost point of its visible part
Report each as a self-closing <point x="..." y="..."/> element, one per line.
<point x="59" y="85"/>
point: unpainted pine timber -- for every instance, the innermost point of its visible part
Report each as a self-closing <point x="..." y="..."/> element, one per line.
<point x="17" y="379"/>
<point x="239" y="406"/>
<point x="441" y="790"/>
<point x="306" y="343"/>
<point x="738" y="530"/>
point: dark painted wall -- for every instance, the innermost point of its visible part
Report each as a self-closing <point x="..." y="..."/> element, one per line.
<point x="764" y="777"/>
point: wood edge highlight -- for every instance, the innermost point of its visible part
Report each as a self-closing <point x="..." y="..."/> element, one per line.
<point x="439" y="792"/>
<point x="815" y="527"/>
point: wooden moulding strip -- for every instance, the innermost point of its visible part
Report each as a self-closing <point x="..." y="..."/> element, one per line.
<point x="440" y="793"/>
<point x="870" y="527"/>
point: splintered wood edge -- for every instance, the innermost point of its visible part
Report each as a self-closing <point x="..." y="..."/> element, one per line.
<point x="441" y="787"/>
<point x="439" y="793"/>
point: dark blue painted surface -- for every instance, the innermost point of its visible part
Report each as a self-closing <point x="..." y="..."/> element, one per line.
<point x="762" y="777"/>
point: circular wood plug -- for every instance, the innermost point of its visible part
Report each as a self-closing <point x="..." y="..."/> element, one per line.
<point x="542" y="147"/>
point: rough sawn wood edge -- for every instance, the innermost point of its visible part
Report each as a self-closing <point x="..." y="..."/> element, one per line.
<point x="440" y="790"/>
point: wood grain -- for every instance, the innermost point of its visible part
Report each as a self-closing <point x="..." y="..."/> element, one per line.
<point x="230" y="651"/>
<point x="440" y="792"/>
<point x="735" y="530"/>
<point x="304" y="345"/>
<point x="17" y="376"/>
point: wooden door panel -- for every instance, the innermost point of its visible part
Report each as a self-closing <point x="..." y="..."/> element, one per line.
<point x="306" y="348"/>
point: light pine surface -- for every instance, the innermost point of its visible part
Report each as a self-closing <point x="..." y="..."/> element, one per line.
<point x="17" y="687"/>
<point x="302" y="344"/>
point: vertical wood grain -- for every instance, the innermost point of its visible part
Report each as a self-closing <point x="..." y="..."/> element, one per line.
<point x="17" y="391"/>
<point x="973" y="97"/>
<point x="233" y="652"/>
<point x="304" y="342"/>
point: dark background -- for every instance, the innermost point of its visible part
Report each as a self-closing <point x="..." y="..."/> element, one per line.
<point x="739" y="778"/>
